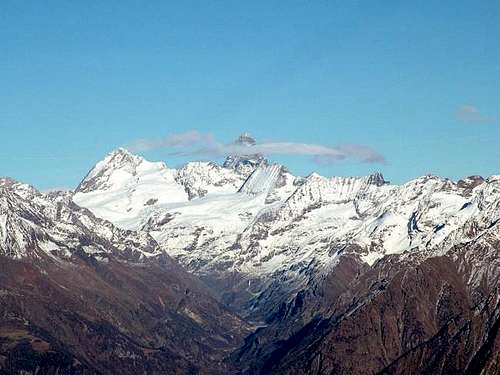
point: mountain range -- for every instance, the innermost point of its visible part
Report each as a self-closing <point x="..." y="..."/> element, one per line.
<point x="245" y="268"/>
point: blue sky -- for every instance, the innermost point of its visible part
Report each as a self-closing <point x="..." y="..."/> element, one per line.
<point x="417" y="83"/>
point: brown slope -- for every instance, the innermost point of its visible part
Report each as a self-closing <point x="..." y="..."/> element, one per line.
<point x="78" y="296"/>
<point x="113" y="318"/>
<point x="398" y="318"/>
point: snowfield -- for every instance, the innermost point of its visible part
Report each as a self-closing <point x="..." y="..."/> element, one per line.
<point x="256" y="219"/>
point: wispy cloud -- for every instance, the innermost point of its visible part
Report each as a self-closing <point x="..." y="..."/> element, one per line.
<point x="470" y="113"/>
<point x="179" y="140"/>
<point x="196" y="143"/>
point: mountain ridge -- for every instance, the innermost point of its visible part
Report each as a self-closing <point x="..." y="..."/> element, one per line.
<point x="79" y="295"/>
<point x="292" y="197"/>
<point x="309" y="271"/>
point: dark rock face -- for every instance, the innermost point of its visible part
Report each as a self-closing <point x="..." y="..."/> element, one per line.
<point x="396" y="318"/>
<point x="290" y="319"/>
<point x="470" y="182"/>
<point x="377" y="179"/>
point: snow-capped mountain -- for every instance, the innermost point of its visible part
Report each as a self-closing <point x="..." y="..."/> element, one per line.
<point x="83" y="296"/>
<point x="33" y="224"/>
<point x="259" y="223"/>
<point x="244" y="163"/>
<point x="328" y="267"/>
<point x="125" y="188"/>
